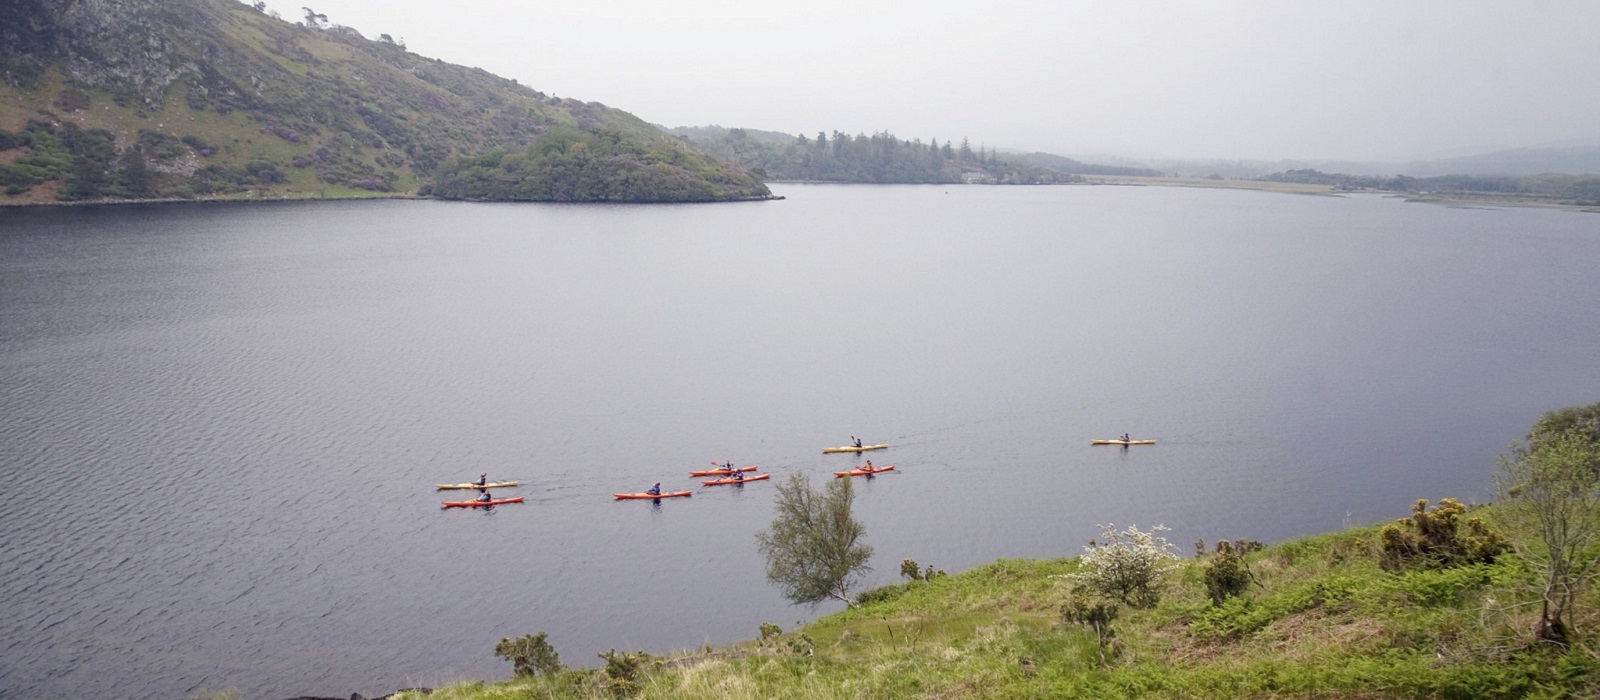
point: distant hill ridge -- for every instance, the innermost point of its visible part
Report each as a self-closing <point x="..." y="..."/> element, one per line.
<point x="204" y="98"/>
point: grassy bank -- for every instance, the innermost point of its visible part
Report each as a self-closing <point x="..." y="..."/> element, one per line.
<point x="1322" y="619"/>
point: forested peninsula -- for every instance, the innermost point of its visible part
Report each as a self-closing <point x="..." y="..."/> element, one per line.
<point x="188" y="99"/>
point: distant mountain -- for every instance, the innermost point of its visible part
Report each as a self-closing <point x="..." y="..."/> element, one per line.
<point x="204" y="98"/>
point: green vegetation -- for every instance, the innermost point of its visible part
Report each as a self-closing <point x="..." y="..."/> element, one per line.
<point x="1552" y="486"/>
<point x="1128" y="565"/>
<point x="214" y="98"/>
<point x="529" y="655"/>
<point x="1424" y="607"/>
<point x="605" y="164"/>
<point x="1580" y="190"/>
<point x="879" y="158"/>
<point x="814" y="547"/>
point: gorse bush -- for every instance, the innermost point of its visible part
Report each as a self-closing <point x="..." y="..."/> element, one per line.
<point x="1128" y="566"/>
<point x="1438" y="538"/>
<point x="624" y="671"/>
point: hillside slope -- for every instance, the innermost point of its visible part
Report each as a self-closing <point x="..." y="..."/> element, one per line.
<point x="204" y="98"/>
<point x="1321" y="617"/>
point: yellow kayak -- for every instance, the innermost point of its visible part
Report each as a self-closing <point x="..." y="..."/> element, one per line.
<point x="474" y="485"/>
<point x="862" y="448"/>
<point x="1122" y="442"/>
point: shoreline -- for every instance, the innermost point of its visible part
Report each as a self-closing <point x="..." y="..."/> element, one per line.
<point x="1464" y="199"/>
<point x="357" y="198"/>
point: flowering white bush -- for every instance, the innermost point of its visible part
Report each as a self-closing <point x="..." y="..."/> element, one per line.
<point x="1128" y="564"/>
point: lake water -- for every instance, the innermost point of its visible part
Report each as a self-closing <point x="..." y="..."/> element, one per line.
<point x="220" y="424"/>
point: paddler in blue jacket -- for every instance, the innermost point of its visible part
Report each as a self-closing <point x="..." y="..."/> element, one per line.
<point x="485" y="497"/>
<point x="655" y="490"/>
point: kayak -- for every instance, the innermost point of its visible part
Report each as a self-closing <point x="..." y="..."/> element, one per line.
<point x="847" y="448"/>
<point x="861" y="471"/>
<point x="475" y="504"/>
<point x="720" y="472"/>
<point x="719" y="482"/>
<point x="474" y="485"/>
<point x="1122" y="442"/>
<point x="653" y="496"/>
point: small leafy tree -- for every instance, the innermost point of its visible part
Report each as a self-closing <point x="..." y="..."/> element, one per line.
<point x="1097" y="614"/>
<point x="1128" y="566"/>
<point x="1226" y="572"/>
<point x="814" y="547"/>
<point x="1552" y="486"/>
<point x="529" y="655"/>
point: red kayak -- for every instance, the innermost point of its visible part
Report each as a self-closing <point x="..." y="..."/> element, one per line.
<point x="862" y="471"/>
<point x="475" y="504"/>
<point x="720" y="482"/>
<point x="652" y="496"/>
<point x="722" y="472"/>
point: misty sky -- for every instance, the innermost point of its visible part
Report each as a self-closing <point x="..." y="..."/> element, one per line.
<point x="1353" y="79"/>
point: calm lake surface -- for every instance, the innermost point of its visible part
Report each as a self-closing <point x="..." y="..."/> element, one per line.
<point x="221" y="424"/>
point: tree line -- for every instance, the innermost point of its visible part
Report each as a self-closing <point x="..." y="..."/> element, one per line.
<point x="879" y="158"/>
<point x="1583" y="190"/>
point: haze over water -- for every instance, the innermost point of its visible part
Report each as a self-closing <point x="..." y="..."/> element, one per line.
<point x="220" y="425"/>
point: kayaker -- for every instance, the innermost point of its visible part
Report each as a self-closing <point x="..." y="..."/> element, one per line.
<point x="869" y="465"/>
<point x="483" y="479"/>
<point x="485" y="497"/>
<point x="737" y="476"/>
<point x="655" y="490"/>
<point x="855" y="440"/>
<point x="1125" y="438"/>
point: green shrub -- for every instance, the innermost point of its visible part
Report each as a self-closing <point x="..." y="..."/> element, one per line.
<point x="624" y="671"/>
<point x="770" y="633"/>
<point x="1437" y="538"/>
<point x="1226" y="572"/>
<point x="883" y="594"/>
<point x="1097" y="614"/>
<point x="529" y="655"/>
<point x="910" y="570"/>
<point x="1436" y="587"/>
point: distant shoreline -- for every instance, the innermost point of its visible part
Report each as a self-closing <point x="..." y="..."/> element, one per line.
<point x="356" y="198"/>
<point x="1484" y="199"/>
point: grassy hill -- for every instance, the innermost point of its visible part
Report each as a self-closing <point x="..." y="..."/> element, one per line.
<point x="214" y="98"/>
<point x="1322" y="617"/>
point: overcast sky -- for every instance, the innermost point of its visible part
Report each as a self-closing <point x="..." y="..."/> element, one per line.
<point x="1269" y="79"/>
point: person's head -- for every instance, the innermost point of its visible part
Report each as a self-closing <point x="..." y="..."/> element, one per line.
<point x="658" y="484"/>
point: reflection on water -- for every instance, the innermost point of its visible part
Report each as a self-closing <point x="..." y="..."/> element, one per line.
<point x="222" y="424"/>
